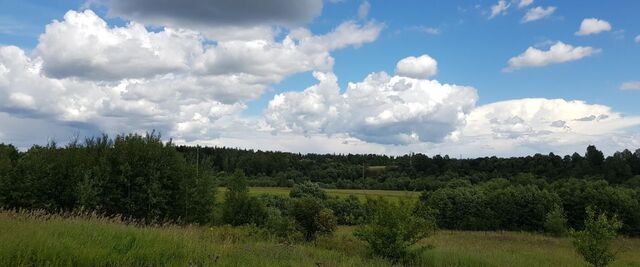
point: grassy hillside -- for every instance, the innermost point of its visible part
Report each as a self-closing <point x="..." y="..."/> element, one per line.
<point x="31" y="240"/>
<point x="361" y="194"/>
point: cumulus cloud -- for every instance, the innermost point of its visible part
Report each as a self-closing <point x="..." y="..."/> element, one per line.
<point x="538" y="13"/>
<point x="204" y="13"/>
<point x="83" y="45"/>
<point x="631" y="85"/>
<point x="534" y="125"/>
<point x="131" y="79"/>
<point x="499" y="8"/>
<point x="524" y="3"/>
<point x="557" y="53"/>
<point x="417" y="67"/>
<point x="381" y="109"/>
<point x="593" y="26"/>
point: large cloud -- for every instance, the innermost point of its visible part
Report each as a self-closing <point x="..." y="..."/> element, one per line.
<point x="381" y="109"/>
<point x="83" y="45"/>
<point x="544" y="125"/>
<point x="557" y="53"/>
<point x="208" y="13"/>
<point x="131" y="79"/>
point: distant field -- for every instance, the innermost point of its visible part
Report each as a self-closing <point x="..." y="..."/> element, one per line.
<point x="361" y="194"/>
<point x="34" y="241"/>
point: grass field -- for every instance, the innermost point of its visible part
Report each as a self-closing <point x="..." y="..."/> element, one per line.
<point x="28" y="240"/>
<point x="361" y="194"/>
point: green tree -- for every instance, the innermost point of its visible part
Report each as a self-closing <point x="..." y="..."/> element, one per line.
<point x="239" y="208"/>
<point x="313" y="219"/>
<point x="555" y="222"/>
<point x="307" y="189"/>
<point x="594" y="242"/>
<point x="393" y="229"/>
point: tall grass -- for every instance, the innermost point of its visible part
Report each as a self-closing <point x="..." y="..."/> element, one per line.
<point x="40" y="239"/>
<point x="35" y="239"/>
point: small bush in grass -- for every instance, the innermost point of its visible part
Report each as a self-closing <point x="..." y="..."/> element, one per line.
<point x="594" y="242"/>
<point x="239" y="208"/>
<point x="555" y="223"/>
<point x="313" y="219"/>
<point x="307" y="189"/>
<point x="393" y="229"/>
<point x="282" y="227"/>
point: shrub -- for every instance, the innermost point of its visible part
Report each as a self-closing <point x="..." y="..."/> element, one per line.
<point x="281" y="226"/>
<point x="555" y="223"/>
<point x="239" y="208"/>
<point x="307" y="189"/>
<point x="393" y="229"/>
<point x="313" y="219"/>
<point x="349" y="211"/>
<point x="594" y="242"/>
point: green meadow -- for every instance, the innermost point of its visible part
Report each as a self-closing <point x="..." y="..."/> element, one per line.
<point x="32" y="239"/>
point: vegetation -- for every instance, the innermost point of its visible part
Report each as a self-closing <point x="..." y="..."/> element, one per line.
<point x="393" y="229"/>
<point x="141" y="181"/>
<point x="40" y="239"/>
<point x="556" y="222"/>
<point x="594" y="242"/>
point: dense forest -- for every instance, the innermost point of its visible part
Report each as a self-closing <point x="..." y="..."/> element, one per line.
<point x="146" y="179"/>
<point x="415" y="172"/>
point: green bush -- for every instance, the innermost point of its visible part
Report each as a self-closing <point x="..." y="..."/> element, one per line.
<point x="393" y="229"/>
<point x="239" y="208"/>
<point x="307" y="189"/>
<point x="313" y="219"/>
<point x="349" y="210"/>
<point x="594" y="242"/>
<point x="555" y="223"/>
<point x="281" y="226"/>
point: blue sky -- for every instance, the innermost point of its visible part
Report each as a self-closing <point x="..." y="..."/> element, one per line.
<point x="471" y="49"/>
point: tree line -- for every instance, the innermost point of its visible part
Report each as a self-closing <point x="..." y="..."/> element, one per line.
<point x="415" y="172"/>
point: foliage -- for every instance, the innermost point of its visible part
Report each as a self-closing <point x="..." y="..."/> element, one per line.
<point x="393" y="229"/>
<point x="594" y="242"/>
<point x="135" y="176"/>
<point x="312" y="218"/>
<point x="555" y="223"/>
<point x="349" y="210"/>
<point x="307" y="189"/>
<point x="239" y="208"/>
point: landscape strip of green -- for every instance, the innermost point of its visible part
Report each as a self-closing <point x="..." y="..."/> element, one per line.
<point x="89" y="241"/>
<point x="360" y="194"/>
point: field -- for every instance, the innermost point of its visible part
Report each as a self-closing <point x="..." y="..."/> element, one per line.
<point x="361" y="194"/>
<point x="40" y="240"/>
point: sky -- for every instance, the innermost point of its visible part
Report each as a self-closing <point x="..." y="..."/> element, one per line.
<point x="463" y="78"/>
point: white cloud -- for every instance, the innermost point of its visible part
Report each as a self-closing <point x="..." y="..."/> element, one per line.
<point x="535" y="125"/>
<point x="631" y="85"/>
<point x="593" y="26"/>
<point x="557" y="53"/>
<point x="537" y="13"/>
<point x="129" y="79"/>
<point x="83" y="45"/>
<point x="417" y="67"/>
<point x="363" y="9"/>
<point x="637" y="39"/>
<point x="381" y="109"/>
<point x="499" y="8"/>
<point x="524" y="3"/>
